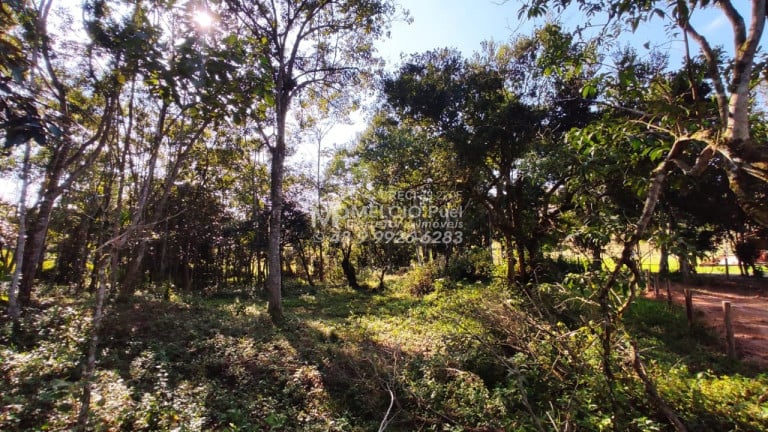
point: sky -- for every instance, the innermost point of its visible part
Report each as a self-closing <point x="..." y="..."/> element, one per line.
<point x="465" y="24"/>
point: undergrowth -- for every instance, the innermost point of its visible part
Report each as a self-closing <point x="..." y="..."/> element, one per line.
<point x="459" y="356"/>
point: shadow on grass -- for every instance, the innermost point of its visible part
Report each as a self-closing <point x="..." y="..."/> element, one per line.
<point x="217" y="363"/>
<point x="248" y="374"/>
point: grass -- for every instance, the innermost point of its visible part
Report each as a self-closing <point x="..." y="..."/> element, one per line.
<point x="711" y="391"/>
<point x="217" y="363"/>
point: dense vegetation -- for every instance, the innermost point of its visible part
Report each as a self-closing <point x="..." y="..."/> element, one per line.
<point x="465" y="357"/>
<point x="469" y="262"/>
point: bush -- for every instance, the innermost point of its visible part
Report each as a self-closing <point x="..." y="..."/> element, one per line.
<point x="420" y="281"/>
<point x="554" y="270"/>
<point x="471" y="265"/>
<point x="433" y="386"/>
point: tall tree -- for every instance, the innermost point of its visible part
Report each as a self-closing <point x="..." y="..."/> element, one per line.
<point x="733" y="79"/>
<point x="71" y="112"/>
<point x="310" y="45"/>
<point x="504" y="120"/>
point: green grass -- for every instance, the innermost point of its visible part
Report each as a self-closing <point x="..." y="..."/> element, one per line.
<point x="711" y="391"/>
<point x="217" y="363"/>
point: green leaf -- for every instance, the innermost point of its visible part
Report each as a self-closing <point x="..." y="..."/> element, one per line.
<point x="656" y="154"/>
<point x="589" y="91"/>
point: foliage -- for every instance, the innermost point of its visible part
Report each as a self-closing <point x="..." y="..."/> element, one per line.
<point x="469" y="358"/>
<point x="471" y="265"/>
<point x="420" y="280"/>
<point x="150" y="141"/>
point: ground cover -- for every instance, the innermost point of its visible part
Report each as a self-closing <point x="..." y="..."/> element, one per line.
<point x="467" y="356"/>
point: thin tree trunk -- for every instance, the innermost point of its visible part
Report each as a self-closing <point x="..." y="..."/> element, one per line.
<point x="509" y="248"/>
<point x="90" y="365"/>
<point x="14" y="310"/>
<point x="664" y="259"/>
<point x="521" y="263"/>
<point x="597" y="258"/>
<point x="274" y="275"/>
<point x="131" y="278"/>
<point x="305" y="263"/>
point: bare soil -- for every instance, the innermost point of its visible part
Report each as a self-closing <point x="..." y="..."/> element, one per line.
<point x="749" y="310"/>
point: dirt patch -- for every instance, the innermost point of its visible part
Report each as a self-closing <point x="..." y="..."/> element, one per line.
<point x="749" y="309"/>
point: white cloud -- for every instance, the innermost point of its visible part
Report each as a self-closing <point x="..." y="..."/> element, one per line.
<point x="716" y="24"/>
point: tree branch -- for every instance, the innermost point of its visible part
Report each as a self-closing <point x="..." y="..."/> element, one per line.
<point x="653" y="394"/>
<point x="737" y="22"/>
<point x="713" y="70"/>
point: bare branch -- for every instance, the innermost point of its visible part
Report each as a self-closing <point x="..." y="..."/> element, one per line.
<point x="737" y="22"/>
<point x="702" y="161"/>
<point x="653" y="394"/>
<point x="713" y="70"/>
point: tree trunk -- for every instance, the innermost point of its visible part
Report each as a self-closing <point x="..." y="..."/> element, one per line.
<point x="90" y="364"/>
<point x="13" y="301"/>
<point x="510" y="254"/>
<point x="664" y="260"/>
<point x="274" y="275"/>
<point x="133" y="273"/>
<point x="685" y="267"/>
<point x="305" y="263"/>
<point x="597" y="259"/>
<point x="348" y="268"/>
<point x="383" y="273"/>
<point x="521" y="263"/>
<point x="35" y="247"/>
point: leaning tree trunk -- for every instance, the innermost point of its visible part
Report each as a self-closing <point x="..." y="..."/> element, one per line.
<point x="349" y="268"/>
<point x="35" y="247"/>
<point x="305" y="263"/>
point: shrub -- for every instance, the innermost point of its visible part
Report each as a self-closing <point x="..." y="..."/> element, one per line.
<point x="459" y="395"/>
<point x="554" y="270"/>
<point x="420" y="280"/>
<point x="471" y="265"/>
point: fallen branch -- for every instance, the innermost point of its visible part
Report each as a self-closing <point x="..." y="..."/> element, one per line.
<point x="653" y="394"/>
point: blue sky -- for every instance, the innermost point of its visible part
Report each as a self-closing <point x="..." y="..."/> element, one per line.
<point x="461" y="24"/>
<point x="464" y="24"/>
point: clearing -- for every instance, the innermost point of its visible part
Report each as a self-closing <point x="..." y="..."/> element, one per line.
<point x="749" y="308"/>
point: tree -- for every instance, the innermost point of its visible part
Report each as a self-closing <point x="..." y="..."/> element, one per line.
<point x="71" y="124"/>
<point x="309" y="46"/>
<point x="744" y="159"/>
<point x="503" y="119"/>
<point x="683" y="132"/>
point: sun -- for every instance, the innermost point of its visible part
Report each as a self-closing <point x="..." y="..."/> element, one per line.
<point x="203" y="19"/>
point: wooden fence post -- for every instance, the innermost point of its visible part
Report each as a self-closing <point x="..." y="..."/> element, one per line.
<point x="689" y="306"/>
<point x="648" y="279"/>
<point x="730" y="343"/>
<point x="669" y="294"/>
<point x="656" y="284"/>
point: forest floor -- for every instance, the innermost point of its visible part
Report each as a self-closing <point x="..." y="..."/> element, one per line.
<point x="347" y="360"/>
<point x="749" y="306"/>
